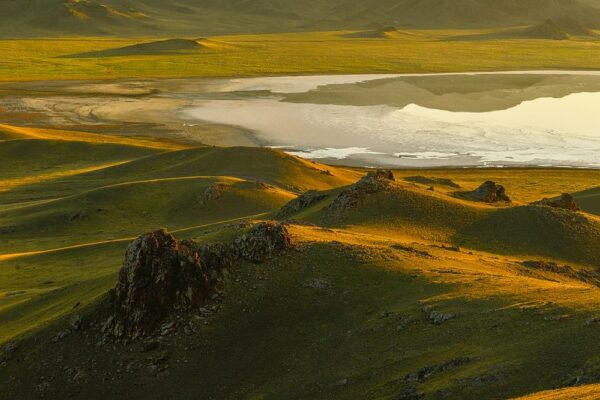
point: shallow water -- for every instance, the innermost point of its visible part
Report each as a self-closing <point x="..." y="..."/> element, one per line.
<point x="534" y="118"/>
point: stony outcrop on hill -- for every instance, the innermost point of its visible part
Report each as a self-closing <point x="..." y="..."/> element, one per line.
<point x="300" y="203"/>
<point x="160" y="276"/>
<point x="373" y="182"/>
<point x="262" y="242"/>
<point x="566" y="201"/>
<point x="163" y="277"/>
<point x="213" y="192"/>
<point x="489" y="192"/>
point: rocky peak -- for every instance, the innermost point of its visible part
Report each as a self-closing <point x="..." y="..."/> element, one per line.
<point x="160" y="276"/>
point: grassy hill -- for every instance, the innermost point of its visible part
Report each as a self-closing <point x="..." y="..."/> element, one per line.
<point x="153" y="18"/>
<point x="348" y="314"/>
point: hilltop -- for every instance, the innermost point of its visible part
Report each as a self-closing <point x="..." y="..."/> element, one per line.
<point x="206" y="17"/>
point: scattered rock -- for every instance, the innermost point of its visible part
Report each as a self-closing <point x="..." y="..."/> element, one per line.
<point x="61" y="335"/>
<point x="76" y="322"/>
<point x="489" y="192"/>
<point x="306" y="200"/>
<point x="317" y="283"/>
<point x="566" y="201"/>
<point x="430" y="371"/>
<point x="7" y="351"/>
<point x="438" y="317"/>
<point x="590" y="277"/>
<point x="341" y="382"/>
<point x="412" y="250"/>
<point x="160" y="277"/>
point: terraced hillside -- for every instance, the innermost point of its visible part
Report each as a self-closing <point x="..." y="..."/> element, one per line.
<point x="402" y="289"/>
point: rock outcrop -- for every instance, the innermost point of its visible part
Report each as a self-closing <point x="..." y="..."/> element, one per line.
<point x="373" y="182"/>
<point x="300" y="203"/>
<point x="160" y="277"/>
<point x="213" y="192"/>
<point x="262" y="242"/>
<point x="565" y="201"/>
<point x="489" y="192"/>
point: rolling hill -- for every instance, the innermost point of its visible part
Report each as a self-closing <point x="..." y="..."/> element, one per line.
<point x="206" y="17"/>
<point x="396" y="292"/>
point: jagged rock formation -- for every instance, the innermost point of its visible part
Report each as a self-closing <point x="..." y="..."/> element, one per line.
<point x="300" y="203"/>
<point x="489" y="192"/>
<point x="163" y="277"/>
<point x="566" y="201"/>
<point x="160" y="276"/>
<point x="374" y="182"/>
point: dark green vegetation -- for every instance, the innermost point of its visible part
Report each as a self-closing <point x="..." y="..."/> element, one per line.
<point x="388" y="294"/>
<point x="203" y="17"/>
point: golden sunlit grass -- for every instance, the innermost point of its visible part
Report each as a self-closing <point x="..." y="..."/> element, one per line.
<point x="73" y="200"/>
<point x="74" y="136"/>
<point x="587" y="392"/>
<point x="294" y="53"/>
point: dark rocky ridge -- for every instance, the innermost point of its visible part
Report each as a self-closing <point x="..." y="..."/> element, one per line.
<point x="162" y="277"/>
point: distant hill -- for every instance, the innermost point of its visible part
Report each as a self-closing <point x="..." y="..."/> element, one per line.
<point x="559" y="29"/>
<point x="550" y="29"/>
<point x="204" y="17"/>
<point x="149" y="48"/>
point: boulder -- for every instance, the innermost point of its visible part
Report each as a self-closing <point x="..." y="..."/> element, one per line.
<point x="160" y="277"/>
<point x="489" y="192"/>
<point x="566" y="201"/>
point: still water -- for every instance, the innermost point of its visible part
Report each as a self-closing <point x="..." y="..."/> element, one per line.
<point x="485" y="119"/>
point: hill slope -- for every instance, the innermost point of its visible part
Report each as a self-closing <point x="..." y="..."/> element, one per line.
<point x="135" y="17"/>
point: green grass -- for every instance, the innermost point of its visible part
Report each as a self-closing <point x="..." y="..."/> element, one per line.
<point x="294" y="53"/>
<point x="65" y="225"/>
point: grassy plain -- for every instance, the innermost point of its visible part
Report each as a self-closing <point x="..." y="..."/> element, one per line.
<point x="417" y="51"/>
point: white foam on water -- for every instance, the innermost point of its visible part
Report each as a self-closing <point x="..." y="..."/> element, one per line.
<point x="329" y="152"/>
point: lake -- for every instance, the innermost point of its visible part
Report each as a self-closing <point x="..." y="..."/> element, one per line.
<point x="483" y="119"/>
